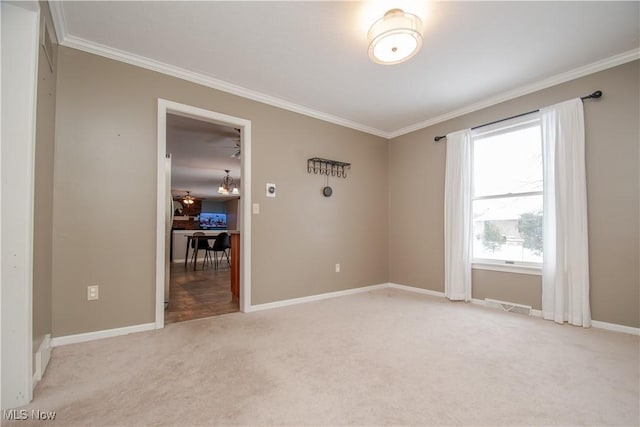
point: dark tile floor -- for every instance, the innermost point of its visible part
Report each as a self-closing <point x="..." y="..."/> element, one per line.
<point x="200" y="293"/>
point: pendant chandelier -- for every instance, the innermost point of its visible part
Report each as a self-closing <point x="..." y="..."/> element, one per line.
<point x="228" y="186"/>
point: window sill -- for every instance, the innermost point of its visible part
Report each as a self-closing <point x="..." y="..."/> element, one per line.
<point x="518" y="269"/>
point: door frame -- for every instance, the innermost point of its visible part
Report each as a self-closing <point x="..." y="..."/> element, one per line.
<point x="20" y="49"/>
<point x="165" y="107"/>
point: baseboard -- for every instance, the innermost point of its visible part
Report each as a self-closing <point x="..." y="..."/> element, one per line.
<point x="534" y="313"/>
<point x="318" y="297"/>
<point x="44" y="351"/>
<point x="615" y="327"/>
<point x="42" y="356"/>
<point x="108" y="333"/>
<point x="416" y="290"/>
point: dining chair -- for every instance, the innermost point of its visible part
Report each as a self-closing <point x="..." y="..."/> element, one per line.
<point x="200" y="244"/>
<point x="221" y="244"/>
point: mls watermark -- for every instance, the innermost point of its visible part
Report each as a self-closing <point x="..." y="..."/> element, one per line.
<point x="23" y="415"/>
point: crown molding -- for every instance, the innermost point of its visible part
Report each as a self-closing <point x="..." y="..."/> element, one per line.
<point x="594" y="67"/>
<point x="65" y="39"/>
<point x="59" y="22"/>
<point x="211" y="82"/>
<point x="79" y="43"/>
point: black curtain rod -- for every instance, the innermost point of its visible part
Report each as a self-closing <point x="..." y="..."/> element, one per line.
<point x="594" y="95"/>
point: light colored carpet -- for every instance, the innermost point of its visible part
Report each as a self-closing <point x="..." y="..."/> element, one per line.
<point x="385" y="357"/>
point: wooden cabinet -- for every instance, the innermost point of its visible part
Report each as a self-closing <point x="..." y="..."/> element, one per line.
<point x="235" y="264"/>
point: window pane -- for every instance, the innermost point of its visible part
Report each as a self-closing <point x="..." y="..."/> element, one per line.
<point x="508" y="229"/>
<point x="508" y="162"/>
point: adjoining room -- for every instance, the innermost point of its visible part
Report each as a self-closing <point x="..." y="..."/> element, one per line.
<point x="203" y="159"/>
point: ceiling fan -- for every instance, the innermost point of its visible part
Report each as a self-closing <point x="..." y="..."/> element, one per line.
<point x="235" y="138"/>
<point x="236" y="154"/>
<point x="187" y="199"/>
<point x="181" y="204"/>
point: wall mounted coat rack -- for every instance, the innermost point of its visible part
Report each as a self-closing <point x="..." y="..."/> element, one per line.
<point x="327" y="167"/>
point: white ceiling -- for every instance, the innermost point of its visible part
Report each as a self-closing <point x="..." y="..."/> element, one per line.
<point x="311" y="57"/>
<point x="200" y="153"/>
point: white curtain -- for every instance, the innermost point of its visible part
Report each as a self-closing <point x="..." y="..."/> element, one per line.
<point x="457" y="217"/>
<point x="565" y="271"/>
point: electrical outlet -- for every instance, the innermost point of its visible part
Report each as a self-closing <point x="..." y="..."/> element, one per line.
<point x="92" y="292"/>
<point x="337" y="268"/>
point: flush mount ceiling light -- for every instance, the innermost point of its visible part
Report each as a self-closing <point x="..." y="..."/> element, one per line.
<point x="395" y="37"/>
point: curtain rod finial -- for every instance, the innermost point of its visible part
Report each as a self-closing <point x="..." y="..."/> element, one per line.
<point x="595" y="95"/>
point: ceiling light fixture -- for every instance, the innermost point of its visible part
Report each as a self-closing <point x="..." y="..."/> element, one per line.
<point x="188" y="199"/>
<point x="395" y="38"/>
<point x="227" y="186"/>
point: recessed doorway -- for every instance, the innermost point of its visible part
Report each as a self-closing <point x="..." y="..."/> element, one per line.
<point x="206" y="191"/>
<point x="203" y="194"/>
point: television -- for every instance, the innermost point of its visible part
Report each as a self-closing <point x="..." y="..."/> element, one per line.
<point x="213" y="221"/>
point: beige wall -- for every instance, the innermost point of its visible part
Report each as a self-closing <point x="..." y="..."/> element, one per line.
<point x="43" y="191"/>
<point x="519" y="288"/>
<point x="416" y="173"/>
<point x="105" y="162"/>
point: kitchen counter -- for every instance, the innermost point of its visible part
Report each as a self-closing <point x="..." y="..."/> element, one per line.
<point x="180" y="243"/>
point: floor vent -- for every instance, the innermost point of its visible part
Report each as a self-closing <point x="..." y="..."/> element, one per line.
<point x="508" y="306"/>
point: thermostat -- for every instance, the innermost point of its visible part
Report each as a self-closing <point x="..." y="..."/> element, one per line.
<point x="271" y="190"/>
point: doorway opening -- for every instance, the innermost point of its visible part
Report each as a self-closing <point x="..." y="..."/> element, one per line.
<point x="205" y="189"/>
<point x="196" y="148"/>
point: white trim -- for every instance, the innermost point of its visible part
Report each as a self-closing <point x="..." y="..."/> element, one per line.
<point x="245" y="219"/>
<point x="594" y="323"/>
<point x="161" y="214"/>
<point x="2" y="203"/>
<point x="20" y="48"/>
<point x="91" y="336"/>
<point x="59" y="21"/>
<point x="576" y="73"/>
<point x="65" y="39"/>
<point x="43" y="355"/>
<point x="534" y="312"/>
<point x="211" y="82"/>
<point x="615" y="327"/>
<point x="477" y="301"/>
<point x="517" y="269"/>
<point x="97" y="335"/>
<point x="417" y="290"/>
<point x="508" y="195"/>
<point x="164" y="107"/>
<point x="318" y="297"/>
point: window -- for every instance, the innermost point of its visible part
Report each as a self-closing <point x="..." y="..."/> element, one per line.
<point x="507" y="193"/>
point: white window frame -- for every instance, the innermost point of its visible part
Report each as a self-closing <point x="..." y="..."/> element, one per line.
<point x="507" y="126"/>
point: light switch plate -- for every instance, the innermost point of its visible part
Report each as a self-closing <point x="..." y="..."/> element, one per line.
<point x="92" y="292"/>
<point x="271" y="190"/>
<point x="256" y="208"/>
